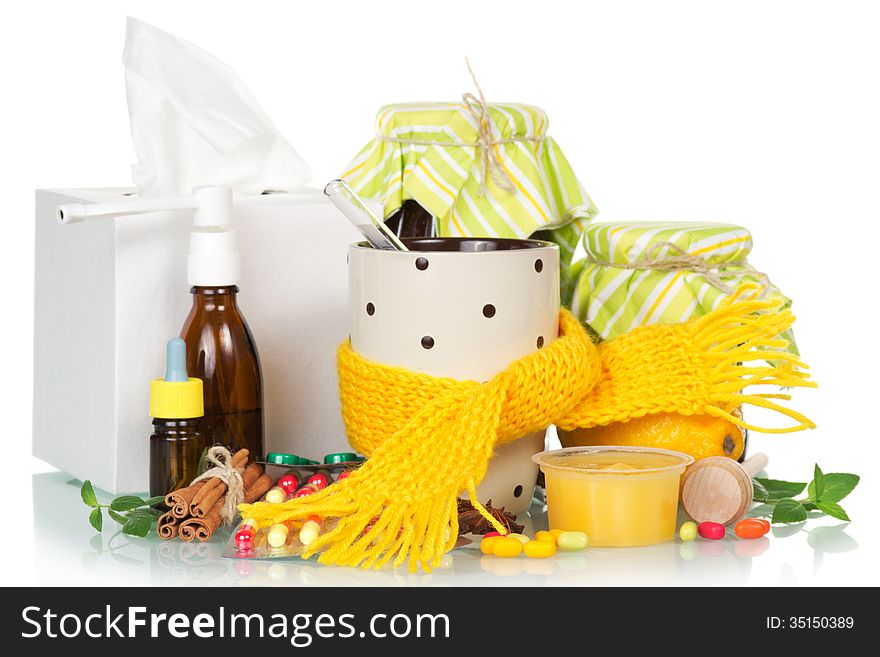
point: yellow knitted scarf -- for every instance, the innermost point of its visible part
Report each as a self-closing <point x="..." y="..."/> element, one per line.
<point x="429" y="439"/>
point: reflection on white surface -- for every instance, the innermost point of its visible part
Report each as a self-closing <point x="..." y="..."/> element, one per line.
<point x="69" y="552"/>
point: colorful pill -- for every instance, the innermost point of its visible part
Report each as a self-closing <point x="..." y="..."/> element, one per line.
<point x="247" y="529"/>
<point x="289" y="483"/>
<point x="751" y="528"/>
<point x="572" y="541"/>
<point x="305" y="490"/>
<point x="487" y="543"/>
<point x="491" y="534"/>
<point x="711" y="530"/>
<point x="343" y="475"/>
<point x="277" y="536"/>
<point x="687" y="532"/>
<point x="276" y="495"/>
<point x="545" y="536"/>
<point x="244" y="540"/>
<point x="522" y="539"/>
<point x="539" y="549"/>
<point x="249" y="522"/>
<point x="506" y="547"/>
<point x="319" y="480"/>
<point x="556" y="533"/>
<point x="310" y="531"/>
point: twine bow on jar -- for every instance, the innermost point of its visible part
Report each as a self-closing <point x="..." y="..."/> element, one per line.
<point x="485" y="144"/>
<point x="680" y="260"/>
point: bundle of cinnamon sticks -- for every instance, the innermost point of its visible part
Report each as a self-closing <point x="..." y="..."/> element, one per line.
<point x="195" y="512"/>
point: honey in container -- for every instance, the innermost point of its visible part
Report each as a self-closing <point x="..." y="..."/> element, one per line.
<point x="619" y="496"/>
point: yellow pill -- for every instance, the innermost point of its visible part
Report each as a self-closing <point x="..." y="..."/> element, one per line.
<point x="556" y="533"/>
<point x="486" y="544"/>
<point x="545" y="536"/>
<point x="277" y="536"/>
<point x="522" y="539"/>
<point x="309" y="532"/>
<point x="539" y="549"/>
<point x="688" y="531"/>
<point x="572" y="541"/>
<point x="506" y="546"/>
<point x="276" y="495"/>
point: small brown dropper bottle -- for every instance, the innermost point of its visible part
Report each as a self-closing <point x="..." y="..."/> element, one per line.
<point x="177" y="407"/>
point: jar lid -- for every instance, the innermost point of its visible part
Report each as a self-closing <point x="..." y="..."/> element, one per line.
<point x="643" y="273"/>
<point x="339" y="457"/>
<point x="633" y="242"/>
<point x="483" y="196"/>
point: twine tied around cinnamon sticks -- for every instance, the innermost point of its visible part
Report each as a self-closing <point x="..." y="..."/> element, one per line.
<point x="680" y="260"/>
<point x="196" y="511"/>
<point x="225" y="472"/>
<point x="490" y="161"/>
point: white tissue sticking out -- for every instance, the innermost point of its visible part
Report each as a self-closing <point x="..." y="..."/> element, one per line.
<point x="193" y="122"/>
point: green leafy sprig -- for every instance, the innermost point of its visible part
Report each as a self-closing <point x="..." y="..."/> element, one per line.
<point x="824" y="494"/>
<point x="134" y="513"/>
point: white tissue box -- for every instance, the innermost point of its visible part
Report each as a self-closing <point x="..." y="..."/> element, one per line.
<point x="109" y="293"/>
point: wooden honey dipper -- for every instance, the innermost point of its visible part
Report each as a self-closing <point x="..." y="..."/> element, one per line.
<point x="718" y="489"/>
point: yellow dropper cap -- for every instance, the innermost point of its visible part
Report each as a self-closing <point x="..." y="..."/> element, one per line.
<point x="177" y="396"/>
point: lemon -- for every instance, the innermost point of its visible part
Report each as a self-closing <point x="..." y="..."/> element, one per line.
<point x="697" y="435"/>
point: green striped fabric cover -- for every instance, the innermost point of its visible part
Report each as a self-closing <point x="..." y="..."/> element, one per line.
<point x="446" y="179"/>
<point x="613" y="300"/>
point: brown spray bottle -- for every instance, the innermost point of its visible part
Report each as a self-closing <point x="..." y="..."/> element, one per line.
<point x="220" y="348"/>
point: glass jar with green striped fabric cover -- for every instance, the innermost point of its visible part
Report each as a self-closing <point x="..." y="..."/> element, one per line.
<point x="640" y="273"/>
<point x="480" y="169"/>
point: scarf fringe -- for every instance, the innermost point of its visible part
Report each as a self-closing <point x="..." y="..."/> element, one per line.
<point x="743" y="330"/>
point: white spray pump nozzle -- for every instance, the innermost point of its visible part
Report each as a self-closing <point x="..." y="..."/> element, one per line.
<point x="213" y="258"/>
<point x="212" y="205"/>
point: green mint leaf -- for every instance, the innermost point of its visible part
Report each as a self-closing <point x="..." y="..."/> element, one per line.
<point x="832" y="509"/>
<point x="88" y="494"/>
<point x="837" y="486"/>
<point x="779" y="490"/>
<point x="137" y="525"/>
<point x="126" y="503"/>
<point x="118" y="517"/>
<point x="96" y="519"/>
<point x="789" y="511"/>
<point x="149" y="514"/>
<point x="153" y="501"/>
<point x="761" y="494"/>
<point x="817" y="486"/>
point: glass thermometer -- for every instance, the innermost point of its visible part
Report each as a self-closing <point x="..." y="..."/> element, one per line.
<point x="363" y="218"/>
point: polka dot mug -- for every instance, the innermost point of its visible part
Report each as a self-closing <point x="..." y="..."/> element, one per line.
<point x="463" y="308"/>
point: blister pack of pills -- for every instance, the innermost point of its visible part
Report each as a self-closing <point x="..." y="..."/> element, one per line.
<point x="289" y="539"/>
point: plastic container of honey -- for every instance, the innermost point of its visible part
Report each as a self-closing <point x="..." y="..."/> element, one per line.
<point x="619" y="496"/>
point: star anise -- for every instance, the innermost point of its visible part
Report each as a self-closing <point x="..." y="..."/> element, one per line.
<point x="470" y="521"/>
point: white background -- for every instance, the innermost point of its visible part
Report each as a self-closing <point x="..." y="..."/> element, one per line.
<point x="763" y="113"/>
